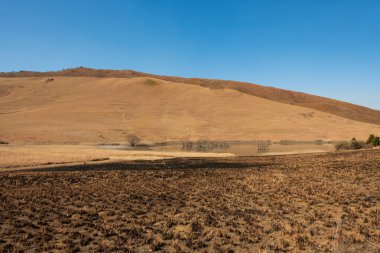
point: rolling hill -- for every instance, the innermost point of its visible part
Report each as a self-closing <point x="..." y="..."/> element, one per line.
<point x="94" y="106"/>
<point x="339" y="108"/>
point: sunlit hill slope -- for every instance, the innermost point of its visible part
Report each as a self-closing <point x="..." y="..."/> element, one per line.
<point x="95" y="106"/>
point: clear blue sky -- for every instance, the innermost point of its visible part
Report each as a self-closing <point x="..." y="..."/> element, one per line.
<point x="324" y="47"/>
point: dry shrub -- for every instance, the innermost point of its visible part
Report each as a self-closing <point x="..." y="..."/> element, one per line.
<point x="353" y="144"/>
<point x="133" y="140"/>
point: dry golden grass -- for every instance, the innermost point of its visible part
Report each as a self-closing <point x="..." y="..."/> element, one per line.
<point x="312" y="203"/>
<point x="21" y="156"/>
<point x="331" y="106"/>
<point x="97" y="110"/>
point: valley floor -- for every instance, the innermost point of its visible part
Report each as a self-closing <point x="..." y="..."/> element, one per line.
<point x="31" y="156"/>
<point x="310" y="202"/>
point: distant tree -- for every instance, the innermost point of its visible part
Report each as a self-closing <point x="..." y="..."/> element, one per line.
<point x="376" y="141"/>
<point x="133" y="140"/>
<point x="370" y="139"/>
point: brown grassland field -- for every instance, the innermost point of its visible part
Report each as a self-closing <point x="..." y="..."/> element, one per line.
<point x="311" y="202"/>
<point x="61" y="191"/>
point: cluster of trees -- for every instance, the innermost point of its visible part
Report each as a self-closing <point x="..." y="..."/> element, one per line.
<point x="374" y="140"/>
<point x="349" y="145"/>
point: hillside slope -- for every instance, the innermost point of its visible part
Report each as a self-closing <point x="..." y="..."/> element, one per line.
<point x="95" y="110"/>
<point x="339" y="108"/>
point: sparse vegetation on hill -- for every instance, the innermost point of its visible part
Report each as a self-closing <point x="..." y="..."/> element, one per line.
<point x="151" y="82"/>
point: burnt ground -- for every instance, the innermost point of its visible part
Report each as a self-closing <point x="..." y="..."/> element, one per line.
<point x="313" y="203"/>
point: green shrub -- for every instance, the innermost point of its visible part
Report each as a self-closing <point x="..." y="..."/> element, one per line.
<point x="376" y="141"/>
<point x="370" y="139"/>
<point x="373" y="140"/>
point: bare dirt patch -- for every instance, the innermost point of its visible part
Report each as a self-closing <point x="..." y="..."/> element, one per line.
<point x="314" y="203"/>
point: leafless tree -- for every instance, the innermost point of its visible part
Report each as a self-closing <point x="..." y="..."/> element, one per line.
<point x="133" y="140"/>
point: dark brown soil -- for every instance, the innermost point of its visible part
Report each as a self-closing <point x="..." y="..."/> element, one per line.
<point x="313" y="203"/>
